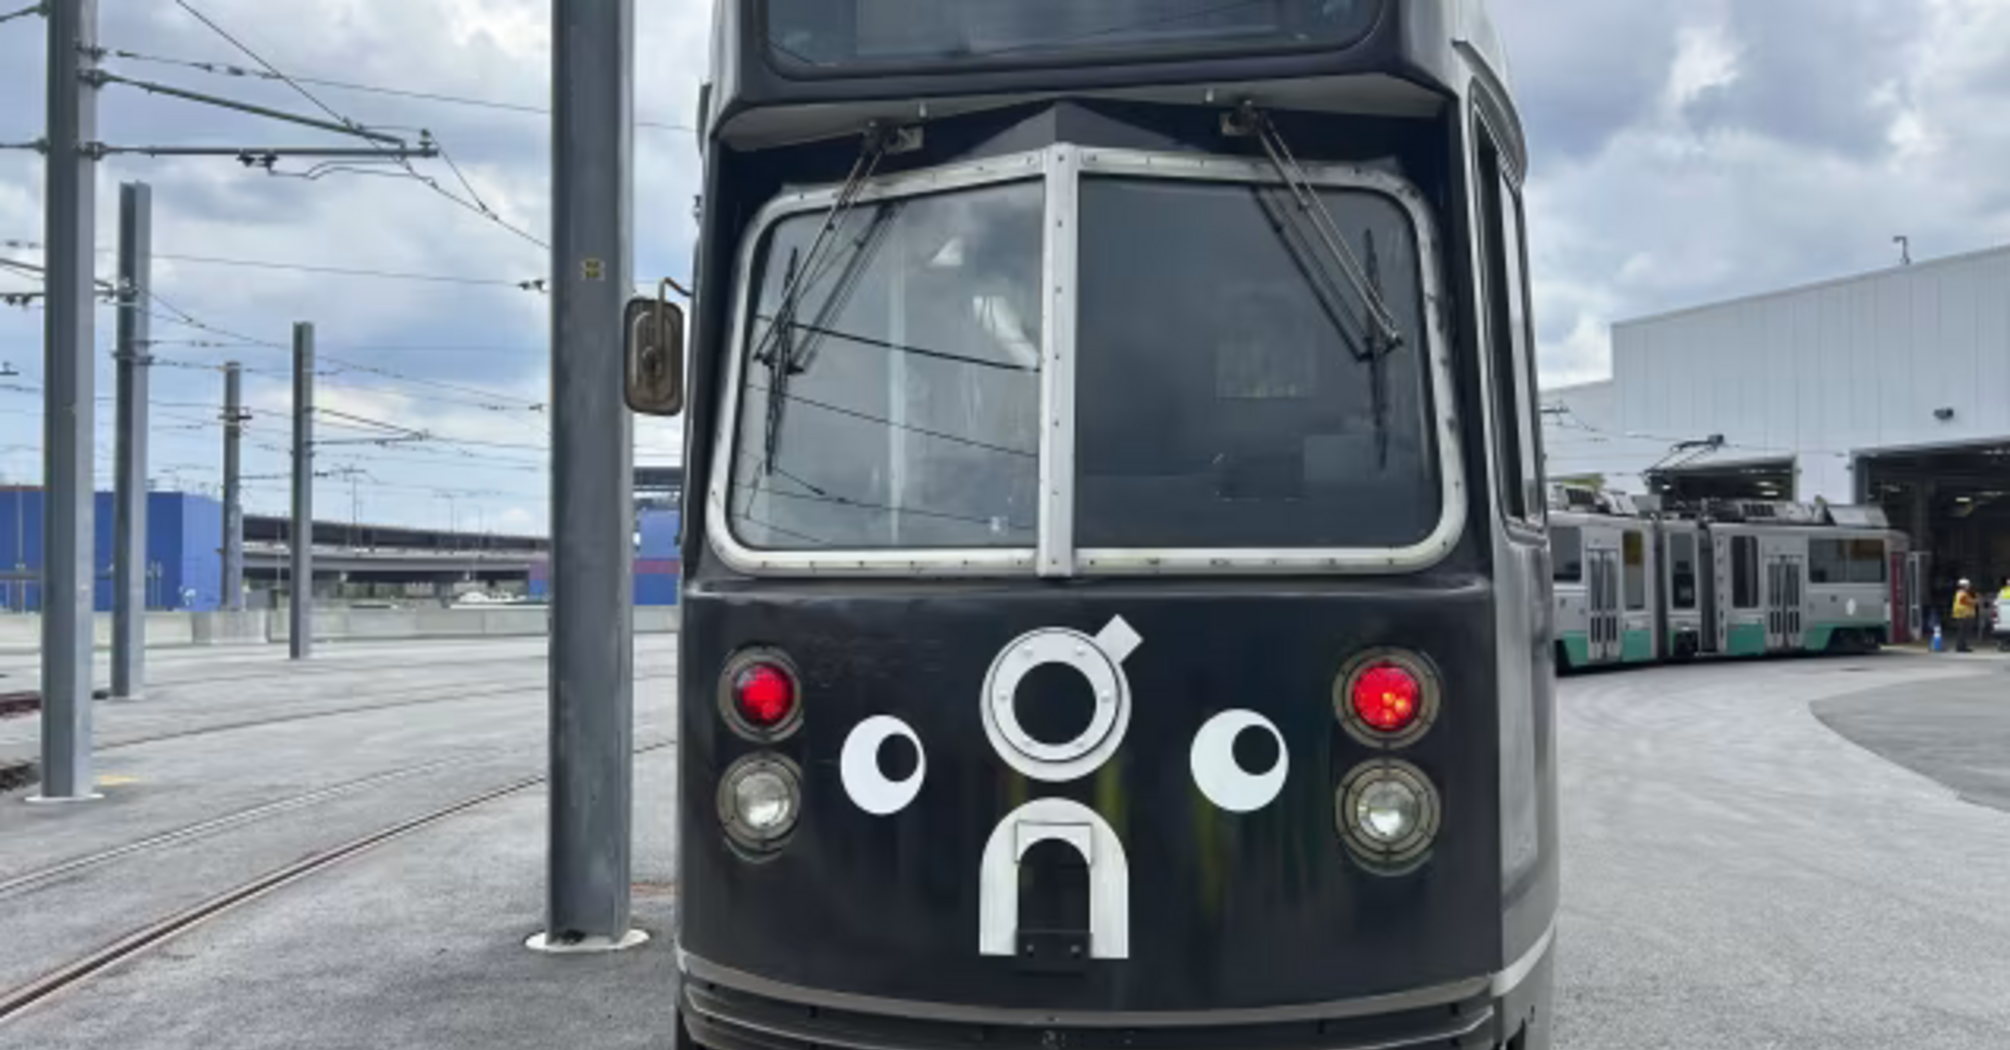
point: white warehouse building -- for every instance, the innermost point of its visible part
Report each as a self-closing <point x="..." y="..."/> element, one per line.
<point x="1890" y="388"/>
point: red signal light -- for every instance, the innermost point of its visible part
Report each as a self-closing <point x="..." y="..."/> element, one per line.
<point x="1387" y="698"/>
<point x="765" y="695"/>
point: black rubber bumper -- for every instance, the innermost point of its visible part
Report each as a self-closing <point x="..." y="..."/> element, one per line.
<point x="722" y="1018"/>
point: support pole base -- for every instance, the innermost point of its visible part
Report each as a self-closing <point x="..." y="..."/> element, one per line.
<point x="588" y="946"/>
<point x="62" y="800"/>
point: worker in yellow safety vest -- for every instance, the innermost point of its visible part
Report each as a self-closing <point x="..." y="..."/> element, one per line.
<point x="1964" y="616"/>
<point x="2003" y="617"/>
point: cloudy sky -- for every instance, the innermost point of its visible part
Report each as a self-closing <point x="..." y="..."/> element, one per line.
<point x="1682" y="153"/>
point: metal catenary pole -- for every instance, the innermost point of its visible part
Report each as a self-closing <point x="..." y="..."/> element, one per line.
<point x="592" y="514"/>
<point x="133" y="356"/>
<point x="70" y="237"/>
<point x="300" y="609"/>
<point x="233" y="492"/>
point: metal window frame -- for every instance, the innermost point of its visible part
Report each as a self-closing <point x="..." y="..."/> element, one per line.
<point x="1056" y="533"/>
<point x="1452" y="510"/>
<point x="982" y="561"/>
<point x="1060" y="169"/>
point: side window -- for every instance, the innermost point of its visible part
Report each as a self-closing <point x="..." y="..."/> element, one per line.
<point x="1566" y="553"/>
<point x="1866" y="561"/>
<point x="1682" y="570"/>
<point x="1636" y="571"/>
<point x="1828" y="561"/>
<point x="1510" y="343"/>
<point x="1744" y="572"/>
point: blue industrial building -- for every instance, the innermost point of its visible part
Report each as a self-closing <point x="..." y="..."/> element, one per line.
<point x="658" y="566"/>
<point x="184" y="556"/>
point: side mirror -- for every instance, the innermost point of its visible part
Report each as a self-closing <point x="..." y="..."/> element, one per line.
<point x="654" y="376"/>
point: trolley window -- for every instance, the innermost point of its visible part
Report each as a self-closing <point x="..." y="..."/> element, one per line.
<point x="1866" y="561"/>
<point x="1635" y="554"/>
<point x="833" y="37"/>
<point x="1744" y="572"/>
<point x="898" y="405"/>
<point x="1566" y="551"/>
<point x="1828" y="561"/>
<point x="1682" y="570"/>
<point x="1509" y="340"/>
<point x="1238" y="406"/>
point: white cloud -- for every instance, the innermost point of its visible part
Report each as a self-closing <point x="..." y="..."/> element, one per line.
<point x="495" y="50"/>
<point x="1743" y="179"/>
<point x="1705" y="58"/>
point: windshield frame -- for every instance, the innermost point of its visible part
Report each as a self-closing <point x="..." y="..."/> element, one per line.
<point x="1061" y="168"/>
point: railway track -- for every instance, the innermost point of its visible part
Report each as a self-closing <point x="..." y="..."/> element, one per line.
<point x="16" y="1000"/>
<point x="164" y="677"/>
<point x="238" y="818"/>
<point x="117" y="742"/>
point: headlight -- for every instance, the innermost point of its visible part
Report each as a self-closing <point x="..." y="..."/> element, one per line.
<point x="759" y="799"/>
<point x="1387" y="812"/>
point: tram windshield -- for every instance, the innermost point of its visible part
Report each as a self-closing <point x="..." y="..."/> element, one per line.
<point x="1223" y="400"/>
<point x="836" y="35"/>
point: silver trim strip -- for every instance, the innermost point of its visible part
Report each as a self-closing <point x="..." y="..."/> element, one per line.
<point x="1435" y="995"/>
<point x="742" y="558"/>
<point x="1456" y="1028"/>
<point x="1452" y="513"/>
<point x="1511" y="978"/>
<point x="1057" y="372"/>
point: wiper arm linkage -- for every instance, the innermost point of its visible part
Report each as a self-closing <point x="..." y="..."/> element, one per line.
<point x="1251" y="120"/>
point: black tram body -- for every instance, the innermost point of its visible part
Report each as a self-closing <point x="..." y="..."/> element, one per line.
<point x="1059" y="600"/>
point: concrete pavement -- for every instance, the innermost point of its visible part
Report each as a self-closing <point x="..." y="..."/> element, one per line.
<point x="1738" y="876"/>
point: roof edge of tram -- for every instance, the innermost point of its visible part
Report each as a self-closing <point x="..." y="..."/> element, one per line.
<point x="1578" y="502"/>
<point x="1418" y="54"/>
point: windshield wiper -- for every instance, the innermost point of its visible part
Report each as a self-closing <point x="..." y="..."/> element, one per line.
<point x="1290" y="232"/>
<point x="780" y="350"/>
<point x="1378" y="366"/>
<point x="1377" y="320"/>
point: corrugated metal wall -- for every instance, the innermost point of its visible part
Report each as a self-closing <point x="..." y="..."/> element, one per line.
<point x="183" y="534"/>
<point x="1825" y="372"/>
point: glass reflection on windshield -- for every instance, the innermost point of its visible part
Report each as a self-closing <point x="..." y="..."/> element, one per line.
<point x="909" y="417"/>
<point x="837" y="33"/>
<point x="1235" y="403"/>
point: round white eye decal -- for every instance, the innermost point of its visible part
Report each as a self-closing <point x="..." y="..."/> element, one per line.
<point x="879" y="750"/>
<point x="1221" y="776"/>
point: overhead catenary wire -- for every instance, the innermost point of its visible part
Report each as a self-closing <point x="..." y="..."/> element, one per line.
<point x="31" y="9"/>
<point x="227" y="69"/>
<point x="183" y="317"/>
<point x="348" y="271"/>
<point x="1563" y="412"/>
<point x="534" y="284"/>
<point x="491" y="399"/>
<point x="429" y="399"/>
<point x="405" y="162"/>
<point x="529" y="404"/>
